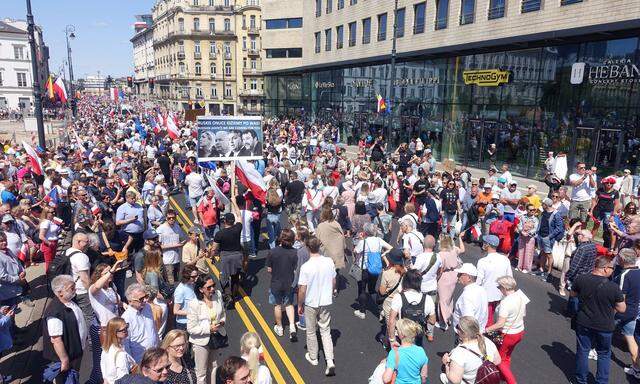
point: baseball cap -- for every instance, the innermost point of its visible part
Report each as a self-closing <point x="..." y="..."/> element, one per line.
<point x="609" y="179"/>
<point x="492" y="240"/>
<point x="487" y="185"/>
<point x="7" y="218"/>
<point x="502" y="180"/>
<point x="467" y="269"/>
<point x="149" y="234"/>
<point x="395" y="256"/>
<point x="495" y="196"/>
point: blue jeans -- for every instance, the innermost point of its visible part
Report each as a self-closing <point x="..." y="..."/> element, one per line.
<point x="448" y="220"/>
<point x="210" y="232"/>
<point x="273" y="228"/>
<point x="586" y="338"/>
<point x="606" y="231"/>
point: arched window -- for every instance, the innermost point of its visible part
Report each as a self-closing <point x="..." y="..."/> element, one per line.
<point x="227" y="24"/>
<point x="227" y="69"/>
<point x="213" y="68"/>
<point x="196" y="24"/>
<point x="181" y="25"/>
<point x="198" y="69"/>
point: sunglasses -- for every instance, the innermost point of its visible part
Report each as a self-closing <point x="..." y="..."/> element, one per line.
<point x="143" y="298"/>
<point x="125" y="329"/>
<point x="171" y="218"/>
<point x="161" y="369"/>
<point x="555" y="196"/>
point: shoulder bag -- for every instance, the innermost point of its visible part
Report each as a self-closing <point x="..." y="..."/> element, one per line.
<point x="355" y="270"/>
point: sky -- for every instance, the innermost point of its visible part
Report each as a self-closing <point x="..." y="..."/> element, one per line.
<point x="103" y="29"/>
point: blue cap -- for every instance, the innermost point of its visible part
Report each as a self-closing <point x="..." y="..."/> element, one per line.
<point x="492" y="240"/>
<point x="502" y="180"/>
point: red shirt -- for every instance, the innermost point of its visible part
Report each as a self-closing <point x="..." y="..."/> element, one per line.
<point x="207" y="210"/>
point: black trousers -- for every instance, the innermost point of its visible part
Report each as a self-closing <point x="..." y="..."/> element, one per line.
<point x="366" y="289"/>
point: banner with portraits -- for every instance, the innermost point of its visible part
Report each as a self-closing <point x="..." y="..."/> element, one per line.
<point x="227" y="138"/>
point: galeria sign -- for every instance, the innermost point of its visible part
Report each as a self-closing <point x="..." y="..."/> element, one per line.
<point x="486" y="77"/>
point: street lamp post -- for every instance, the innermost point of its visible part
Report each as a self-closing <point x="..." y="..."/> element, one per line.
<point x="392" y="88"/>
<point x="37" y="94"/>
<point x="69" y="32"/>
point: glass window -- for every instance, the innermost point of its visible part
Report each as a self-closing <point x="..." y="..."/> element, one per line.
<point x="294" y="22"/>
<point x="467" y="12"/>
<point x="196" y="24"/>
<point x="181" y="25"/>
<point x="196" y="46"/>
<point x="327" y="39"/>
<point x="281" y="53"/>
<point x="382" y="27"/>
<point x="276" y="24"/>
<point x="227" y="25"/>
<point x="353" y="2"/>
<point x="352" y="33"/>
<point x="329" y="6"/>
<point x="318" y="8"/>
<point x="318" y="41"/>
<point x="530" y="5"/>
<point x="400" y="22"/>
<point x="567" y="2"/>
<point x="227" y="69"/>
<point x="18" y="52"/>
<point x="366" y="30"/>
<point x="442" y="14"/>
<point x="340" y="4"/>
<point x="213" y="68"/>
<point x="496" y="9"/>
<point x="198" y="69"/>
<point x="418" y="17"/>
<point x="22" y="79"/>
<point x="339" y="36"/>
<point x="212" y="25"/>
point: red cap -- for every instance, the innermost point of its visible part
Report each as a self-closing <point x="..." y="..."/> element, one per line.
<point x="609" y="179"/>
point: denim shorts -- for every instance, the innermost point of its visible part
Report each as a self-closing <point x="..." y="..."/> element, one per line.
<point x="627" y="328"/>
<point x="281" y="297"/>
<point x="193" y="201"/>
<point x="545" y="244"/>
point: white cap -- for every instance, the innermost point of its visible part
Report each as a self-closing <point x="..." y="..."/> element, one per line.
<point x="467" y="269"/>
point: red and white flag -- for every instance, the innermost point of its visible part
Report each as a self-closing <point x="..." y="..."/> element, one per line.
<point x="34" y="159"/>
<point x="172" y="128"/>
<point x="60" y="90"/>
<point x="114" y="94"/>
<point x="250" y="178"/>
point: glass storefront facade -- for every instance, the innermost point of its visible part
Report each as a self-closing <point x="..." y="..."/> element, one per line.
<point x="582" y="99"/>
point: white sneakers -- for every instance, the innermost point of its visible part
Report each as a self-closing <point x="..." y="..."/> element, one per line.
<point x="633" y="371"/>
<point x="593" y="355"/>
<point x="331" y="367"/>
<point x="358" y="314"/>
<point x="278" y="330"/>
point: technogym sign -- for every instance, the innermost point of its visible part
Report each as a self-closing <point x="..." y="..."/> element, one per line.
<point x="622" y="71"/>
<point x="486" y="77"/>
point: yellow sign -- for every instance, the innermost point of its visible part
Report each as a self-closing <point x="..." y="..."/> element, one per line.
<point x="486" y="77"/>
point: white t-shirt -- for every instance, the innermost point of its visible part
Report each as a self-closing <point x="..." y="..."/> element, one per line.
<point x="413" y="297"/>
<point x="170" y="235"/>
<point x="79" y="263"/>
<point x="581" y="192"/>
<point x="317" y="275"/>
<point x="55" y="327"/>
<point x="151" y="151"/>
<point x="469" y="361"/>
<point x="490" y="268"/>
<point x="513" y="308"/>
<point x="115" y="364"/>
<point x="104" y="304"/>
<point x="429" y="277"/>
<point x="330" y="191"/>
<point x="52" y="229"/>
<point x="413" y="242"/>
<point x="196" y="183"/>
<point x="14" y="242"/>
<point x="373" y="244"/>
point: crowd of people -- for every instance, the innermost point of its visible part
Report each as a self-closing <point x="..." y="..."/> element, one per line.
<point x="133" y="287"/>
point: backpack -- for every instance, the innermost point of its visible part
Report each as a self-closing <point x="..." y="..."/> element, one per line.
<point x="374" y="260"/>
<point x="487" y="373"/>
<point x="413" y="311"/>
<point x="61" y="265"/>
<point x="273" y="198"/>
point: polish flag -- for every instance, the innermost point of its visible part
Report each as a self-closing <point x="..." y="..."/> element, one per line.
<point x="172" y="128"/>
<point x="34" y="159"/>
<point x="60" y="89"/>
<point x="250" y="178"/>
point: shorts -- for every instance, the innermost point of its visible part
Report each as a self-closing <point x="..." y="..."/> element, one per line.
<point x="545" y="244"/>
<point x="281" y="297"/>
<point x="579" y="209"/>
<point x="627" y="328"/>
<point x="193" y="201"/>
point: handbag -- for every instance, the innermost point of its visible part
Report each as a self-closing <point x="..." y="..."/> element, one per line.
<point x="497" y="336"/>
<point x="217" y="341"/>
<point x="355" y="270"/>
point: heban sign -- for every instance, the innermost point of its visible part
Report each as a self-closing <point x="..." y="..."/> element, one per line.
<point x="486" y="77"/>
<point x="615" y="71"/>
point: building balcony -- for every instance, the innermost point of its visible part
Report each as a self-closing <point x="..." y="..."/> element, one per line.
<point x="224" y="8"/>
<point x="253" y="30"/>
<point x="227" y="55"/>
<point x="229" y="97"/>
<point x="252" y="72"/>
<point x="253" y="52"/>
<point x="213" y="76"/>
<point x="251" y="93"/>
<point x="197" y="55"/>
<point x="212" y="56"/>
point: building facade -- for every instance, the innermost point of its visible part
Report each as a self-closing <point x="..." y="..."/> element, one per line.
<point x="530" y="76"/>
<point x="143" y="56"/>
<point x="16" y="79"/>
<point x="207" y="55"/>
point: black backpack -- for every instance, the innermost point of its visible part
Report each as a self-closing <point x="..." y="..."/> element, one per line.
<point x="413" y="311"/>
<point x="61" y="265"/>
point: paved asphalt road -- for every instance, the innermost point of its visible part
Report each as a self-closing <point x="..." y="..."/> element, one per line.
<point x="546" y="355"/>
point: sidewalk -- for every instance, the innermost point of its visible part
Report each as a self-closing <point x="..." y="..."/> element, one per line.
<point x="476" y="173"/>
<point x="24" y="361"/>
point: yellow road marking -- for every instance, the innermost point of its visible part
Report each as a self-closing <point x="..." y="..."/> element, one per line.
<point x="275" y="371"/>
<point x="261" y="321"/>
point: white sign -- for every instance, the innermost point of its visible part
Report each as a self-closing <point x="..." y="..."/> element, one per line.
<point x="577" y="73"/>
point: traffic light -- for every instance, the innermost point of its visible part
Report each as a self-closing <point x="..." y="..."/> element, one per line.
<point x="129" y="81"/>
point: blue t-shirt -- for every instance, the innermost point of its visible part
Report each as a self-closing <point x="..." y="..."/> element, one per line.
<point x="629" y="283"/>
<point x="412" y="359"/>
<point x="182" y="295"/>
